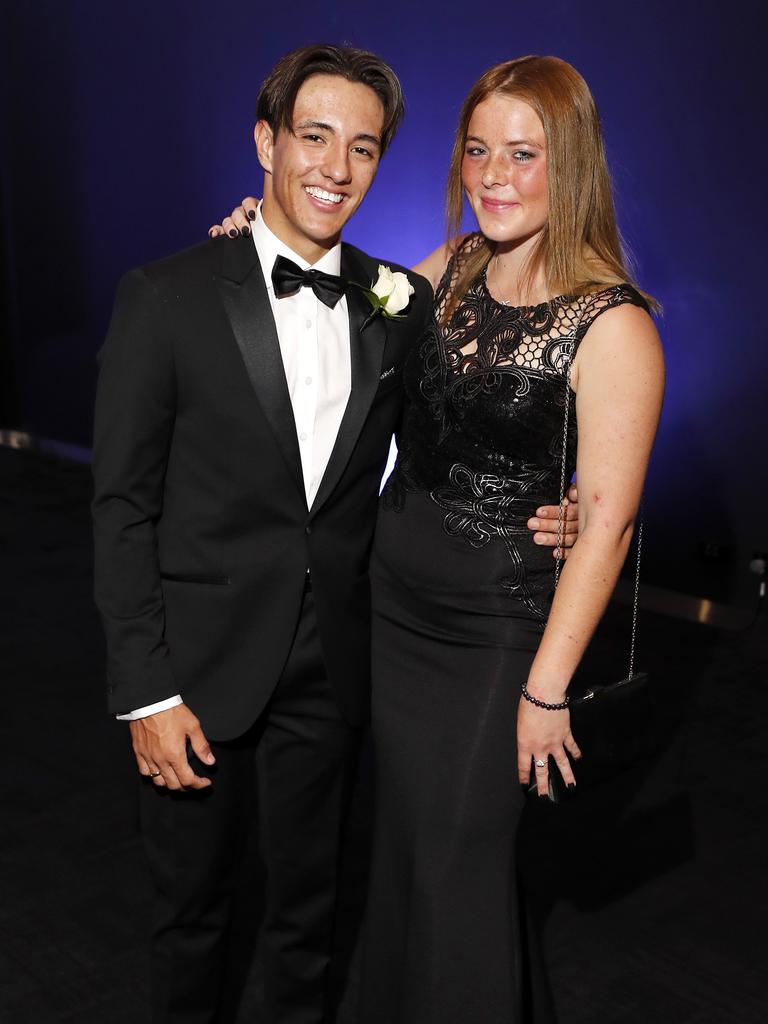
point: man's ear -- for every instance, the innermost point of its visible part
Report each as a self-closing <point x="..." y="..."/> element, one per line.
<point x="264" y="138"/>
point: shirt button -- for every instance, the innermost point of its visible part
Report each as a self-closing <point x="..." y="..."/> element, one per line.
<point x="307" y="380"/>
<point x="309" y="323"/>
<point x="302" y="437"/>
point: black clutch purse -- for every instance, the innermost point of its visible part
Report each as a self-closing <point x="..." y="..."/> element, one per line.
<point x="615" y="726"/>
<point x="613" y="722"/>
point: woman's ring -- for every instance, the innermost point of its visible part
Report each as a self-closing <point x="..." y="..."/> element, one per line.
<point x="541" y="764"/>
<point x="155" y="773"/>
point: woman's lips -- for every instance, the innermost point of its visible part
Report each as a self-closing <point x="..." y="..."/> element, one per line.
<point x="498" y="205"/>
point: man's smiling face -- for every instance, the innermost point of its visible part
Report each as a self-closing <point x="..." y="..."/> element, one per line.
<point x="317" y="174"/>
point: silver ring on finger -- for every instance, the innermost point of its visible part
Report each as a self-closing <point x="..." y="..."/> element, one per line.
<point x="540" y="763"/>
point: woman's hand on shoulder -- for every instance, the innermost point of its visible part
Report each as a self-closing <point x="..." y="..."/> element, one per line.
<point x="433" y="266"/>
<point x="238" y="222"/>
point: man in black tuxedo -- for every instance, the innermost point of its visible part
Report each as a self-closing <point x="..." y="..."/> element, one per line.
<point x="243" y="418"/>
<point x="247" y="396"/>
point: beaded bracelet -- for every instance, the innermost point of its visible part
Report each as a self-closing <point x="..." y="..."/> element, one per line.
<point x="543" y="704"/>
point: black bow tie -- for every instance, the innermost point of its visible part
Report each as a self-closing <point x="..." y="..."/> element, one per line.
<point x="287" y="278"/>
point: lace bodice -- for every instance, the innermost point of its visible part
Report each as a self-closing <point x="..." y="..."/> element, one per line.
<point x="483" y="426"/>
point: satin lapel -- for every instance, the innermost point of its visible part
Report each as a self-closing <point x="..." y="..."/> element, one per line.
<point x="367" y="337"/>
<point x="244" y="294"/>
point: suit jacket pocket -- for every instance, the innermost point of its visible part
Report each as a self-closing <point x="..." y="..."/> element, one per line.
<point x="193" y="577"/>
<point x="390" y="382"/>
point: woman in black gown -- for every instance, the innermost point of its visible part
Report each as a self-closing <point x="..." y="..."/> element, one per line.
<point x="462" y="596"/>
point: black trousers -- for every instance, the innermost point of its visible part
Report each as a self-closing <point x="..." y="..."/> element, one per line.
<point x="294" y="770"/>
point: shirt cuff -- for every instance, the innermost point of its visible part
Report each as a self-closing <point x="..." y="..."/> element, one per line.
<point x="151" y="709"/>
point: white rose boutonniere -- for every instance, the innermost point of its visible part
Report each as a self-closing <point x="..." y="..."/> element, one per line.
<point x="390" y="293"/>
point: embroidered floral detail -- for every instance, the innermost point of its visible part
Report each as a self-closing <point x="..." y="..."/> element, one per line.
<point x="480" y="506"/>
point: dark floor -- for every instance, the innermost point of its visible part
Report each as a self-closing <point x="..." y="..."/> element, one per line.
<point x="654" y="891"/>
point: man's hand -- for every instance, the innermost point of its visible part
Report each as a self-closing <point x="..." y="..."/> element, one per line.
<point x="160" y="745"/>
<point x="544" y="524"/>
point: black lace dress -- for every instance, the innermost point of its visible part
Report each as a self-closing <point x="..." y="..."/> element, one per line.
<point x="461" y="595"/>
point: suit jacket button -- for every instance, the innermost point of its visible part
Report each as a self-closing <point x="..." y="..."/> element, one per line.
<point x="308" y="528"/>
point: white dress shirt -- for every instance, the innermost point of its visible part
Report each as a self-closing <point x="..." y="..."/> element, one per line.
<point x="315" y="347"/>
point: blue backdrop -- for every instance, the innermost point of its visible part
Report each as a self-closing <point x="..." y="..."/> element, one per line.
<point x="128" y="131"/>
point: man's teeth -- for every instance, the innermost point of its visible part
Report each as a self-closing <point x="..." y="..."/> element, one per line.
<point x="320" y="193"/>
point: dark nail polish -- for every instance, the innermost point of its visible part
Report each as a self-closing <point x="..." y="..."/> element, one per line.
<point x="246" y="231"/>
<point x="251" y="215"/>
<point x="232" y="233"/>
<point x="571" y="785"/>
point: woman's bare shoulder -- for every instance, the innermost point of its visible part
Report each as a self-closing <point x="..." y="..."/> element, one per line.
<point x="433" y="266"/>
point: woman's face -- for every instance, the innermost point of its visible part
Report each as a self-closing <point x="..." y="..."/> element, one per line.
<point x="504" y="170"/>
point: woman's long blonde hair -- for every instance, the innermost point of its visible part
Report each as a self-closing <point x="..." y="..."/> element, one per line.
<point x="580" y="246"/>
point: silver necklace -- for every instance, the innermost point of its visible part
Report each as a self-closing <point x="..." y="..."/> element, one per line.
<point x="502" y="302"/>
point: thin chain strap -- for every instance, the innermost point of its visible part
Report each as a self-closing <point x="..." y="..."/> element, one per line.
<point x="561" y="511"/>
<point x="636" y="596"/>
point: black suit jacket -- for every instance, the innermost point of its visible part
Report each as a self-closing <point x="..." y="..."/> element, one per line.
<point x="202" y="532"/>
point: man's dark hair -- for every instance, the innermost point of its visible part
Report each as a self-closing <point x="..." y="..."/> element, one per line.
<point x="278" y="93"/>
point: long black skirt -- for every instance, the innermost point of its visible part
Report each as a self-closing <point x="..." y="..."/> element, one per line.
<point x="449" y="939"/>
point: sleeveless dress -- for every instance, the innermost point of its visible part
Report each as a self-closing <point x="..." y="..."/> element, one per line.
<point x="460" y="599"/>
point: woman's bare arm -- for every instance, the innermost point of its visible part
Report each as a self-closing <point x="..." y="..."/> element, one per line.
<point x="618" y="376"/>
